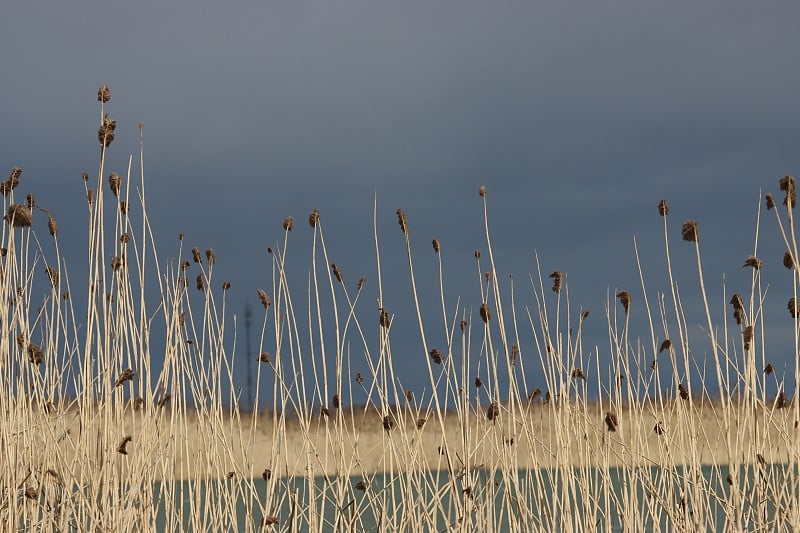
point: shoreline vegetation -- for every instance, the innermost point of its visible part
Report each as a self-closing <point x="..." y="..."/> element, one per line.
<point x="91" y="424"/>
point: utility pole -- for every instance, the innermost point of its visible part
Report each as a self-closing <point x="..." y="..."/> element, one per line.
<point x="248" y="355"/>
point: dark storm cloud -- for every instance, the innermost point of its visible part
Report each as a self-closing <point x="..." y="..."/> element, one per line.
<point x="578" y="116"/>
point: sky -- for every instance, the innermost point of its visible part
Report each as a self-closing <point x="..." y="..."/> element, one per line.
<point x="578" y="117"/>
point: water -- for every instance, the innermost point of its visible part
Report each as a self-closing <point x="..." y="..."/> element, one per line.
<point x="639" y="499"/>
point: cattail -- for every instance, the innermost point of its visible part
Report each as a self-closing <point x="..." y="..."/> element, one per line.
<point x="769" y="369"/>
<point x="409" y="396"/>
<point x="403" y="221"/>
<point x="12" y="182"/>
<point x="138" y="403"/>
<point x="115" y="182"/>
<point x="486" y="313"/>
<point x="337" y="273"/>
<point x="535" y="393"/>
<point x="689" y="231"/>
<point x="770" y="201"/>
<point x="477" y="254"/>
<point x="753" y="261"/>
<point x="436" y="247"/>
<point x="482" y="191"/>
<point x="577" y="373"/>
<point x="335" y="401"/>
<point x="557" y="278"/>
<point x="788" y="262"/>
<point x="196" y="255"/>
<point x="488" y="276"/>
<point x="781" y="401"/>
<point x="123" y="207"/>
<point x="663" y="208"/>
<point x="105" y="135"/>
<point x="52" y="226"/>
<point x="35" y="354"/>
<point x="31" y="200"/>
<point x="514" y="354"/>
<point x="90" y="196"/>
<point x="359" y="378"/>
<point x="625" y="300"/>
<point x="611" y="420"/>
<point x="760" y="459"/>
<point x="164" y="400"/>
<point x="52" y="273"/>
<point x="384" y="319"/>
<point x="360" y="284"/>
<point x="747" y="337"/>
<point x="547" y="397"/>
<point x="226" y="285"/>
<point x="493" y="411"/>
<point x="103" y="94"/>
<point x="265" y="301"/>
<point x="658" y="429"/>
<point x="361" y="485"/>
<point x="738" y="308"/>
<point x="463" y="325"/>
<point x="123" y="443"/>
<point x="683" y="391"/>
<point x="185" y="265"/>
<point x="794" y="309"/>
<point x="421" y="422"/>
<point x="584" y="315"/>
<point x="388" y="423"/>
<point x="787" y="184"/>
<point x="313" y="218"/>
<point x="125" y="375"/>
<point x="266" y="475"/>
<point x="288" y="222"/>
<point x="180" y="236"/>
<point x="211" y="256"/>
<point x="264" y="357"/>
<point x="116" y="263"/>
<point x="436" y="355"/>
<point x="478" y="383"/>
<point x="19" y="216"/>
<point x="269" y="520"/>
<point x="200" y="285"/>
<point x="666" y="345"/>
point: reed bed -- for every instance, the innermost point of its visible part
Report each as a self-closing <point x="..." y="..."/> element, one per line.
<point x="107" y="426"/>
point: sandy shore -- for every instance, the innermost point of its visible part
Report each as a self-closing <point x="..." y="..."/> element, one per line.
<point x="356" y="441"/>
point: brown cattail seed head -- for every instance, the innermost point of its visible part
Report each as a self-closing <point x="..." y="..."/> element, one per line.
<point x="85" y="176"/>
<point x="123" y="207"/>
<point x="226" y="285"/>
<point x="753" y="261"/>
<point x="611" y="420"/>
<point x="361" y="485"/>
<point x="19" y="216"/>
<point x="116" y="263"/>
<point x="747" y="337"/>
<point x="666" y="345"/>
<point x="200" y="284"/>
<point x="584" y="315"/>
<point x="781" y="401"/>
<point x="288" y="222"/>
<point x="266" y="475"/>
<point x="683" y="391"/>
<point x="90" y="196"/>
<point x="625" y="300"/>
<point x="12" y="182"/>
<point x="788" y="262"/>
<point x="493" y="411"/>
<point x="35" y="354"/>
<point x="52" y="273"/>
<point x="185" y="265"/>
<point x="337" y="273"/>
<point x="103" y="94"/>
<point x="482" y="191"/>
<point x="384" y="318"/>
<point x="788" y="185"/>
<point x="164" y="400"/>
<point x="388" y="423"/>
<point x="577" y="373"/>
<point x="313" y="218"/>
<point x="769" y="369"/>
<point x="125" y="375"/>
<point x="31" y="200"/>
<point x="105" y="135"/>
<point x="409" y="396"/>
<point x="436" y="247"/>
<point x="265" y="301"/>
<point x="794" y="309"/>
<point x="403" y="221"/>
<point x="486" y="313"/>
<point x="478" y="383"/>
<point x="52" y="226"/>
<point x="663" y="208"/>
<point x="115" y="182"/>
<point x="738" y="308"/>
<point x="477" y="254"/>
<point x="770" y="201"/>
<point x="359" y="378"/>
<point x="335" y="401"/>
<point x="436" y="355"/>
<point x="689" y="231"/>
<point x="514" y="354"/>
<point x="124" y="238"/>
<point x="535" y="393"/>
<point x="360" y="285"/>
<point x="421" y="422"/>
<point x="658" y="429"/>
<point x="557" y="278"/>
<point x="212" y="258"/>
<point x="196" y="255"/>
<point x="264" y="357"/>
<point x="122" y="445"/>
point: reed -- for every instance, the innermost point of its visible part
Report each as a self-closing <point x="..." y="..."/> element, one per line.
<point x="106" y="426"/>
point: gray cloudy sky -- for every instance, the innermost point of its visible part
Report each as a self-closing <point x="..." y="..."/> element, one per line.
<point x="578" y="117"/>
